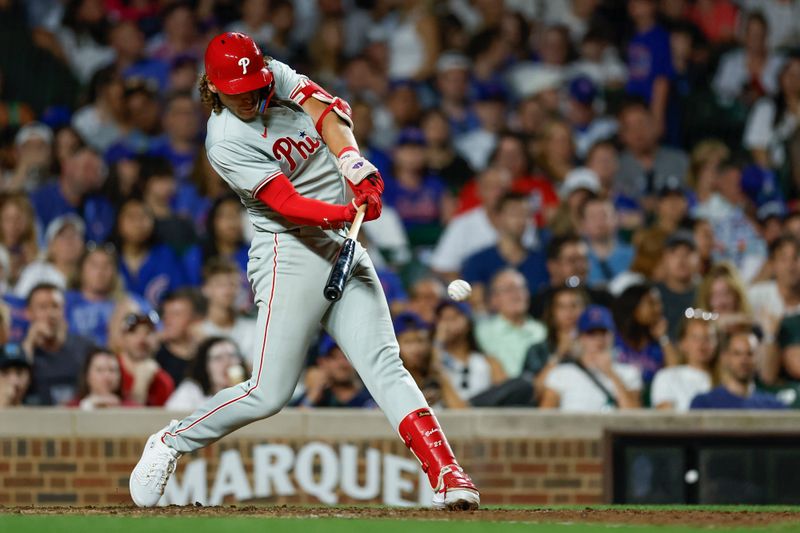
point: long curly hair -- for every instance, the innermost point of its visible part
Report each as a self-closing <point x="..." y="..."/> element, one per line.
<point x="209" y="98"/>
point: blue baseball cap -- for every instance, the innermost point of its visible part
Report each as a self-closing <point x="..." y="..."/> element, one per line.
<point x="491" y="92"/>
<point x="596" y="317"/>
<point x="326" y="344"/>
<point x="583" y="90"/>
<point x="408" y="321"/>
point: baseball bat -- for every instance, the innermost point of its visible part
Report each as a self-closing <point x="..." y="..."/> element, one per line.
<point x="344" y="259"/>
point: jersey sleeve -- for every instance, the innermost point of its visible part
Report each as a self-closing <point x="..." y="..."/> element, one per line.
<point x="243" y="169"/>
<point x="286" y="79"/>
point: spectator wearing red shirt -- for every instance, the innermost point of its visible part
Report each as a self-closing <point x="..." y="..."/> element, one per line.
<point x="143" y="380"/>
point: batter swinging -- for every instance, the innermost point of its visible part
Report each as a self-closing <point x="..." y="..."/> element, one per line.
<point x="272" y="136"/>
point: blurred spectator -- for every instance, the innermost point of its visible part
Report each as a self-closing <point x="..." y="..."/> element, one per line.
<point x="782" y="17"/>
<point x="771" y="133"/>
<point x="510" y="330"/>
<point x="181" y="313"/>
<point x="704" y="168"/>
<point x="426" y="294"/>
<point x="97" y="289"/>
<point x="144" y="121"/>
<point x="17" y="234"/>
<point x="441" y="158"/>
<point x="217" y="365"/>
<point x="704" y="239"/>
<point x="64" y="240"/>
<point x="751" y="71"/>
<point x="254" y="21"/>
<point x="150" y="269"/>
<point x="414" y="42"/>
<point x="587" y="127"/>
<point x="477" y="145"/>
<point x="221" y="287"/>
<point x="488" y="51"/>
<point x="130" y="61"/>
<point x="100" y="384"/>
<point x="66" y="141"/>
<point x="56" y="354"/>
<point x="181" y="129"/>
<point x="158" y="188"/>
<point x="183" y="76"/>
<point x="33" y="147"/>
<point x="194" y="199"/>
<point x="452" y="83"/>
<point x="416" y="351"/>
<point x="83" y="37"/>
<point x="644" y="164"/>
<point x="325" y="51"/>
<point x="773" y="299"/>
<point x="680" y="272"/>
<point x="333" y="382"/>
<point x="557" y="152"/>
<point x="717" y="19"/>
<point x="179" y="35"/>
<point x="567" y="265"/>
<point x="723" y="293"/>
<point x="81" y="177"/>
<point x="402" y="110"/>
<point x="416" y="195"/>
<point x="649" y="62"/>
<point x="737" y="371"/>
<point x="646" y="264"/>
<point x="102" y="121"/>
<point x="473" y="230"/>
<point x="363" y="129"/>
<point x="593" y="381"/>
<point x="599" y="60"/>
<point x="642" y="338"/>
<point x="675" y="387"/>
<point x="15" y="376"/>
<point x="672" y="205"/>
<point x="282" y="18"/>
<point x="513" y="215"/>
<point x="143" y="380"/>
<point x="607" y="255"/>
<point x="603" y="160"/>
<point x="224" y="238"/>
<point x="788" y="342"/>
<point x="580" y="184"/>
<point x="565" y="306"/>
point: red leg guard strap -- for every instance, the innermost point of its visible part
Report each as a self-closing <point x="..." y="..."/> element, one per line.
<point x="424" y="437"/>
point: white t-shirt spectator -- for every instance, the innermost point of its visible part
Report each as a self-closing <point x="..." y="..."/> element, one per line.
<point x="783" y="19"/>
<point x="470" y="378"/>
<point x="578" y="393"/>
<point x="765" y="299"/>
<point x="732" y="74"/>
<point x="243" y="333"/>
<point x="187" y="397"/>
<point x="466" y="234"/>
<point x="678" y="385"/>
<point x="763" y="133"/>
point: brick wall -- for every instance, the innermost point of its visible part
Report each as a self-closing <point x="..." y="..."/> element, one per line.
<point x="94" y="471"/>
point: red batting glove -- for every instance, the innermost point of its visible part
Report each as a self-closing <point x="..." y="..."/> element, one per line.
<point x="374" y="206"/>
<point x="371" y="184"/>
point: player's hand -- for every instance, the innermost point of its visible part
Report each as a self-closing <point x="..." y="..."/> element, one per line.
<point x="374" y="206"/>
<point x="355" y="167"/>
<point x="372" y="183"/>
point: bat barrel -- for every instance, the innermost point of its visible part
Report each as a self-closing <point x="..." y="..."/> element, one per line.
<point x="340" y="271"/>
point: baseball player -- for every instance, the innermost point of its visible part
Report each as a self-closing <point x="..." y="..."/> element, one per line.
<point x="272" y="136"/>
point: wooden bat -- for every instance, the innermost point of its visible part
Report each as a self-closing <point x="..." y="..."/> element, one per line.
<point x="344" y="259"/>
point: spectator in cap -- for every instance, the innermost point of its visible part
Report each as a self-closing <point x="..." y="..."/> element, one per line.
<point x="607" y="255"/>
<point x="676" y="386"/>
<point x="672" y="205"/>
<point x="182" y="312"/>
<point x="15" y="376"/>
<point x="143" y="380"/>
<point x="415" y="338"/>
<point x="332" y="381"/>
<point x="737" y="372"/>
<point x="644" y="163"/>
<point x="34" y="157"/>
<point x="82" y="176"/>
<point x="476" y="145"/>
<point x="216" y="365"/>
<point x="416" y="196"/>
<point x="587" y="127"/>
<point x="56" y="354"/>
<point x="679" y="277"/>
<point x="64" y="246"/>
<point x="100" y="384"/>
<point x="513" y="216"/>
<point x="101" y="122"/>
<point x="642" y="338"/>
<point x="580" y="184"/>
<point x="18" y="234"/>
<point x="509" y="331"/>
<point x="593" y="381"/>
<point x="452" y="83"/>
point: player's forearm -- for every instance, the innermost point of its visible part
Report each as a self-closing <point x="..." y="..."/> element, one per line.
<point x="281" y="196"/>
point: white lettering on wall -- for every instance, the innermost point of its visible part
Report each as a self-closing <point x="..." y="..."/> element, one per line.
<point x="272" y="464"/>
<point x="372" y="473"/>
<point x="230" y="479"/>
<point x="323" y="488"/>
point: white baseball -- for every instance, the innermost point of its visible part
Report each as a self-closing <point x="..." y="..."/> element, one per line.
<point x="459" y="290"/>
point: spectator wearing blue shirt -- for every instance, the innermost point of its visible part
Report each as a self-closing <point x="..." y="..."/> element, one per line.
<point x="128" y="41"/>
<point x="82" y="174"/>
<point x="737" y="364"/>
<point x="607" y="255"/>
<point x="182" y="126"/>
<point x="649" y="60"/>
<point x="513" y="215"/>
<point x="415" y="195"/>
<point x="452" y="83"/>
<point x="149" y="269"/>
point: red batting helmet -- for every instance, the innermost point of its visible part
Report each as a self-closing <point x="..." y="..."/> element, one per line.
<point x="234" y="64"/>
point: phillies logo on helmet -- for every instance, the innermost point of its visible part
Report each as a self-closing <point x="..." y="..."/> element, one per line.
<point x="243" y="62"/>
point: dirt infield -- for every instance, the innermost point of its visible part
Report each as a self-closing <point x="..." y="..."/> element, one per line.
<point x="689" y="517"/>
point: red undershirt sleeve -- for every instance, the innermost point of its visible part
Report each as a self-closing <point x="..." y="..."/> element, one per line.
<point x="280" y="195"/>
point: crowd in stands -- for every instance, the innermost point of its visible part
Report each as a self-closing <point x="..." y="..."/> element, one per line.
<point x="618" y="180"/>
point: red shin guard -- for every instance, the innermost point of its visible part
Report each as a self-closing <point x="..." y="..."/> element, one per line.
<point x="424" y="437"/>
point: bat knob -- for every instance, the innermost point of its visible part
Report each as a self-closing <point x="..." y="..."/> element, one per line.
<point x="332" y="294"/>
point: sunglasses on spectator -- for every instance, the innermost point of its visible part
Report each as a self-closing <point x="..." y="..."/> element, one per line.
<point x="132" y="320"/>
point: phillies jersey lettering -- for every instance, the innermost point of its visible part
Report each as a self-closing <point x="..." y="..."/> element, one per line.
<point x="286" y="147"/>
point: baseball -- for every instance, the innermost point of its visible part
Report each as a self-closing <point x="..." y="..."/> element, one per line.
<point x="459" y="290"/>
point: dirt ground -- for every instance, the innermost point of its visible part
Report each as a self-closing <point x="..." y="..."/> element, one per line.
<point x="587" y="515"/>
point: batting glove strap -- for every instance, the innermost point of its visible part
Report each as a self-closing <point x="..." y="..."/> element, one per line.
<point x="354" y="166"/>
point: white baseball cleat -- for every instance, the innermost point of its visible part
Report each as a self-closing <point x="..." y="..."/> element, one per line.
<point x="151" y="473"/>
<point x="455" y="491"/>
